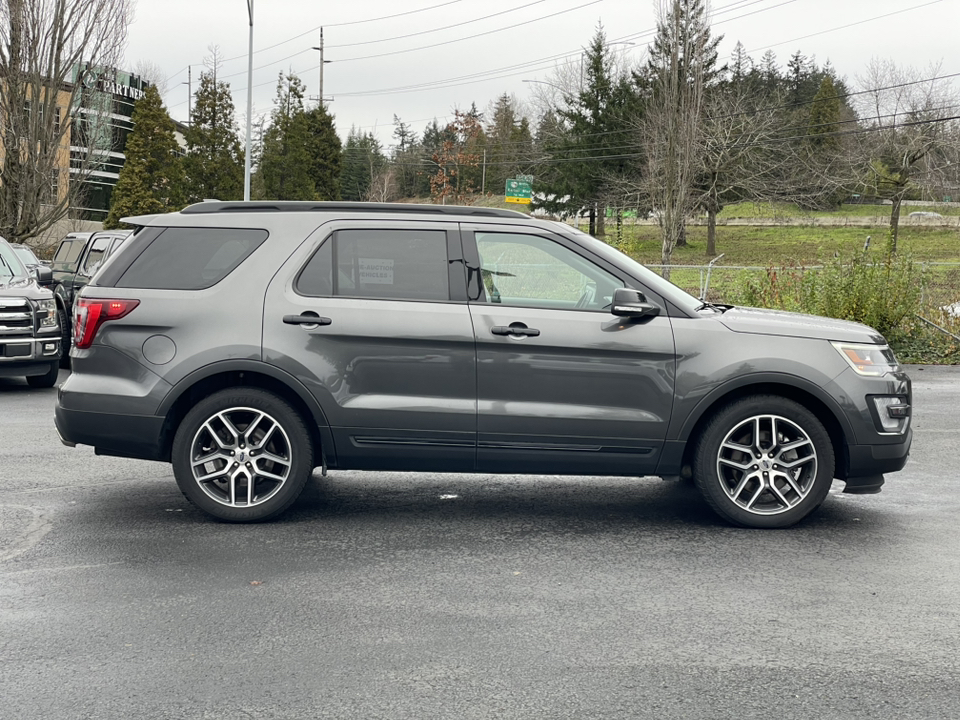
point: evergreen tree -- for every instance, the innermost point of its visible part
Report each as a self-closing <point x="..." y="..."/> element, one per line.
<point x="826" y="111"/>
<point x="286" y="165"/>
<point x="214" y="162"/>
<point x="363" y="159"/>
<point x="591" y="125"/>
<point x="325" y="153"/>
<point x="151" y="180"/>
<point x="407" y="157"/>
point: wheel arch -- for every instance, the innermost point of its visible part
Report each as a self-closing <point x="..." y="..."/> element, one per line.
<point x="245" y="373"/>
<point x="805" y="393"/>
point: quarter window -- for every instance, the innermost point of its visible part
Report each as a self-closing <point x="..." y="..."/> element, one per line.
<point x="533" y="271"/>
<point x="191" y="258"/>
<point x="379" y="264"/>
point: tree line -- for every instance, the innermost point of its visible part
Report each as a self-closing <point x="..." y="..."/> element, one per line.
<point x="678" y="135"/>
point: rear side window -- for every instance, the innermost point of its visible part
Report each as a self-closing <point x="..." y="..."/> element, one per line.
<point x="190" y="258"/>
<point x="379" y="264"/>
<point x="68" y="252"/>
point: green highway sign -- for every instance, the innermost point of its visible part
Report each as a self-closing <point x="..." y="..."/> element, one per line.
<point x="519" y="190"/>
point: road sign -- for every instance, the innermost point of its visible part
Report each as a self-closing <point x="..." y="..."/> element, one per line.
<point x="519" y="191"/>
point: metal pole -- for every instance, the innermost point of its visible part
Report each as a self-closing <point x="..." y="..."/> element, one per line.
<point x="321" y="67"/>
<point x="246" y="165"/>
<point x="483" y="177"/>
<point x="190" y="95"/>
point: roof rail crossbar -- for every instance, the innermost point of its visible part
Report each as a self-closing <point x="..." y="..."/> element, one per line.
<point x="211" y="207"/>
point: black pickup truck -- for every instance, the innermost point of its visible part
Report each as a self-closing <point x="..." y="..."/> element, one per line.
<point x="77" y="259"/>
<point x="29" y="322"/>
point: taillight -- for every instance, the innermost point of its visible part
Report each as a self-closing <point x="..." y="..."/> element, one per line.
<point x="90" y="313"/>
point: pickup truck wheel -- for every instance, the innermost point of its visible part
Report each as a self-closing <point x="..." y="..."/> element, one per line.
<point x="764" y="461"/>
<point x="45" y="381"/>
<point x="242" y="455"/>
<point x="65" y="337"/>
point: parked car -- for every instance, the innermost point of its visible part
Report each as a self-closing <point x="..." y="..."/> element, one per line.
<point x="29" y="329"/>
<point x="27" y="256"/>
<point x="248" y="343"/>
<point x="925" y="215"/>
<point x="78" y="257"/>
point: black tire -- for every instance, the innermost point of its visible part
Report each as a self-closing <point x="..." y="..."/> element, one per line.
<point x="66" y="337"/>
<point x="764" y="484"/>
<point x="45" y="381"/>
<point x="271" y="469"/>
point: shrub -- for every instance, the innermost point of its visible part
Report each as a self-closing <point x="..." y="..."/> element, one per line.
<point x="879" y="291"/>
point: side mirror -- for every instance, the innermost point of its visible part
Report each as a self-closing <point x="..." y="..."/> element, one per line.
<point x="44" y="275"/>
<point x="632" y="303"/>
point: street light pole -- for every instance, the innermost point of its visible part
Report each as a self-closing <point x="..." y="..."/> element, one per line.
<point x="246" y="164"/>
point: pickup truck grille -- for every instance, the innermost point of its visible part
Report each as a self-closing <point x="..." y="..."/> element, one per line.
<point x="16" y="314"/>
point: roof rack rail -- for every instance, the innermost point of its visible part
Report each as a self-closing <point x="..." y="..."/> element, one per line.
<point x="218" y="206"/>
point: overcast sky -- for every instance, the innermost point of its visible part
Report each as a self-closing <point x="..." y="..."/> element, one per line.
<point x="483" y="49"/>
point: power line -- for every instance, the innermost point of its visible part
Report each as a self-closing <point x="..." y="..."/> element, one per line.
<point x="446" y="27"/>
<point x="470" y="37"/>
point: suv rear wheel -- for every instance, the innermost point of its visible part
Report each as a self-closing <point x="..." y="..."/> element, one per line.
<point x="242" y="455"/>
<point x="764" y="461"/>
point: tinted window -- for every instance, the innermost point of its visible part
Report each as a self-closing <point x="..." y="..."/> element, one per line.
<point x="190" y="258"/>
<point x="532" y="271"/>
<point x="387" y="264"/>
<point x="69" y="251"/>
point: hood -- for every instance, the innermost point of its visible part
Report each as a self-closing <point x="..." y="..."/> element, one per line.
<point x="788" y="324"/>
<point x="23" y="287"/>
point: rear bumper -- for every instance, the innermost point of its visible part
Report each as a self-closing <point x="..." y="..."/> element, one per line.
<point x="134" y="436"/>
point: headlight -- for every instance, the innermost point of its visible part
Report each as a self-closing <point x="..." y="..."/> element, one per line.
<point x="869" y="360"/>
<point x="47" y="313"/>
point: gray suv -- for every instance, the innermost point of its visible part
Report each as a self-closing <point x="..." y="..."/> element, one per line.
<point x="248" y="343"/>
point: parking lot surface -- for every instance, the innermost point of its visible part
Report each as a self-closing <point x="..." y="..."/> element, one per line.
<point x="394" y="595"/>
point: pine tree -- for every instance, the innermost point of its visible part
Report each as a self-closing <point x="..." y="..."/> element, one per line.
<point x="151" y="180"/>
<point x="363" y="159"/>
<point x="325" y="153"/>
<point x="826" y="111"/>
<point x="286" y="166"/>
<point x="591" y="125"/>
<point x="214" y="162"/>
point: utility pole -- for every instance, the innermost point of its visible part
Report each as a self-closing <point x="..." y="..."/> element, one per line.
<point x="323" y="62"/>
<point x="190" y="95"/>
<point x="246" y="163"/>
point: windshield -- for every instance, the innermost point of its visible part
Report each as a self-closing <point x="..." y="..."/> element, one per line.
<point x="10" y="265"/>
<point x="680" y="298"/>
<point x="26" y="256"/>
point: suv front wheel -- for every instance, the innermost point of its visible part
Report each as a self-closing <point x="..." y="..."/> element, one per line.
<point x="764" y="461"/>
<point x="242" y="455"/>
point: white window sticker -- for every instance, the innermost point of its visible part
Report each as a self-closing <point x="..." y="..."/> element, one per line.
<point x="376" y="272"/>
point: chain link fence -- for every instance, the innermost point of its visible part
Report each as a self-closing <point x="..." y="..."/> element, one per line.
<point x="722" y="283"/>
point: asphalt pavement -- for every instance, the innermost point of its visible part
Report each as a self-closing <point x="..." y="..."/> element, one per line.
<point x="401" y="595"/>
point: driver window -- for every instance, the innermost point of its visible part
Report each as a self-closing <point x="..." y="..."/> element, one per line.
<point x="532" y="271"/>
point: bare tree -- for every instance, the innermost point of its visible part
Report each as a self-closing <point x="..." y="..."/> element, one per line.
<point x="44" y="47"/>
<point x="740" y="157"/>
<point x="672" y="127"/>
<point x="909" y="118"/>
<point x="152" y="73"/>
<point x="383" y="186"/>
